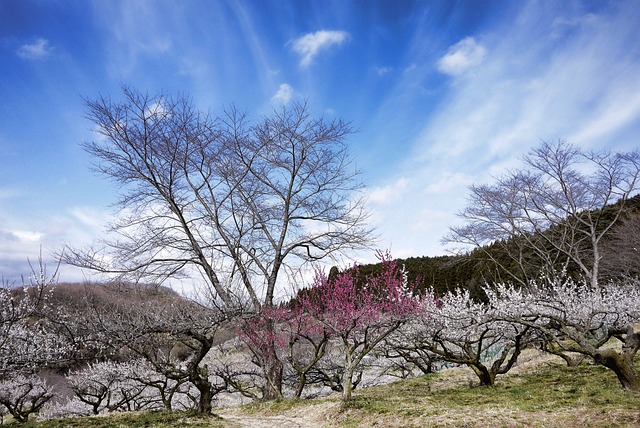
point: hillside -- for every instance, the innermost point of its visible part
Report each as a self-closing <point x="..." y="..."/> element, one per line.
<point x="473" y="269"/>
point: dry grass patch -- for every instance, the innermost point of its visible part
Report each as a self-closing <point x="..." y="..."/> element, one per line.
<point x="133" y="420"/>
<point x="546" y="395"/>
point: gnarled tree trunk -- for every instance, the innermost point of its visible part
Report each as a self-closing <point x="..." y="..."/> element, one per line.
<point x="622" y="363"/>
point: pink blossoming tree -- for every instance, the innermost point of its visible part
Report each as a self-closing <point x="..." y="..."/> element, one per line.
<point x="359" y="318"/>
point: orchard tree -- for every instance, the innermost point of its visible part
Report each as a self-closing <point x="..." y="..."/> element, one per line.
<point x="405" y="354"/>
<point x="172" y="334"/>
<point x="238" y="372"/>
<point x="171" y="390"/>
<point x="578" y="318"/>
<point x="105" y="386"/>
<point x="549" y="215"/>
<point x="360" y="316"/>
<point x="307" y="344"/>
<point x="122" y="386"/>
<point x="28" y="341"/>
<point x="301" y="341"/>
<point x="458" y="329"/>
<point x="222" y="198"/>
<point x="262" y="335"/>
<point x="24" y="395"/>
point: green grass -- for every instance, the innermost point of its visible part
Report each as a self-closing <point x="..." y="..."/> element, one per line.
<point x="132" y="420"/>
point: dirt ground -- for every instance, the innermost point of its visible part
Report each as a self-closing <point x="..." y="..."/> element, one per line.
<point x="310" y="416"/>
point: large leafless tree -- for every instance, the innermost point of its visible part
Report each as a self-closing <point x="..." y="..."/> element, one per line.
<point x="549" y="215"/>
<point x="236" y="202"/>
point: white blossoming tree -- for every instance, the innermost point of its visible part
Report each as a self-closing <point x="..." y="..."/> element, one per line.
<point x="23" y="395"/>
<point x="460" y="330"/>
<point x="580" y="318"/>
<point x="28" y="343"/>
<point x="112" y="386"/>
<point x="146" y="324"/>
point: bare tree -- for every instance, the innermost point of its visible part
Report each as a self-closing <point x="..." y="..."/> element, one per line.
<point x="221" y="197"/>
<point x="549" y="215"/>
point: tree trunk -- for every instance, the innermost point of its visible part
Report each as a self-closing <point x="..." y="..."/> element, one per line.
<point x="623" y="368"/>
<point x="204" y="403"/>
<point x="572" y="361"/>
<point x="199" y="376"/>
<point x="273" y="373"/>
<point x="347" y="381"/>
<point x="487" y="378"/>
<point x="347" y="386"/>
<point x="302" y="381"/>
<point x="166" y="402"/>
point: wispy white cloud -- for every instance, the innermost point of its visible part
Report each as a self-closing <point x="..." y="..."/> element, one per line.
<point x="386" y="194"/>
<point x="574" y="81"/>
<point x="128" y="38"/>
<point x="462" y="56"/>
<point x="381" y="71"/>
<point x="619" y="110"/>
<point x="580" y="88"/>
<point x="27" y="236"/>
<point x="37" y="50"/>
<point x="94" y="220"/>
<point x="309" y="45"/>
<point x="24" y="238"/>
<point x="448" y="182"/>
<point x="284" y="94"/>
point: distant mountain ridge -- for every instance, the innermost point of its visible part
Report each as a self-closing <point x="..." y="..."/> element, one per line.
<point x="474" y="269"/>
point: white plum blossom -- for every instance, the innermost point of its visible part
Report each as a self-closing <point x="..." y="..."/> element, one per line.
<point x="458" y="329"/>
<point x="23" y="395"/>
<point x="106" y="387"/>
<point x="578" y="317"/>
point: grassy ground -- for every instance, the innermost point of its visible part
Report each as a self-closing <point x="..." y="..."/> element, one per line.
<point x="551" y="396"/>
<point x="544" y="394"/>
<point x="132" y="420"/>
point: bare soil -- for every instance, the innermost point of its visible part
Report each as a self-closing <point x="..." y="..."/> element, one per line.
<point x="316" y="415"/>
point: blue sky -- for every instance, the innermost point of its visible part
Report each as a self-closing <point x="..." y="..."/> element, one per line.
<point x="443" y="94"/>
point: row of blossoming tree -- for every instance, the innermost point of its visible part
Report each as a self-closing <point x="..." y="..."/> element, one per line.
<point x="165" y="352"/>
